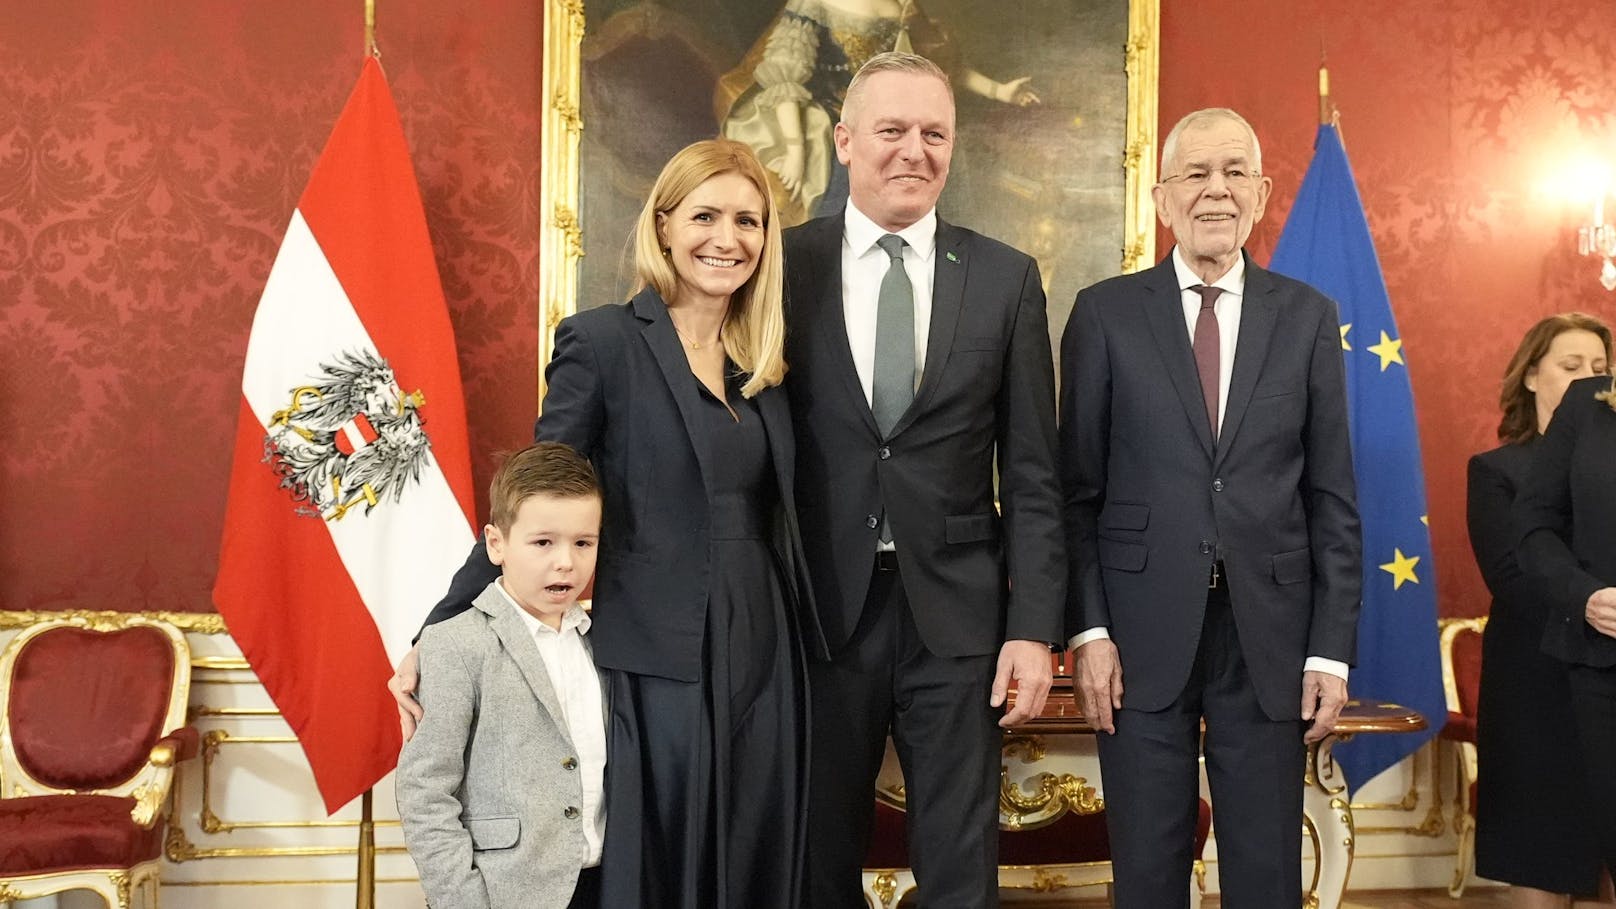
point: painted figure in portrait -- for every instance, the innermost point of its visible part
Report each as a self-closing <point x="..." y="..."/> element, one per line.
<point x="1040" y="85"/>
<point x="786" y="96"/>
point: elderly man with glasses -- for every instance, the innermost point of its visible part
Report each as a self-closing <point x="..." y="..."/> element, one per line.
<point x="1213" y="533"/>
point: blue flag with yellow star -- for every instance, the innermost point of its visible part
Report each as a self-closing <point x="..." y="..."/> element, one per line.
<point x="1326" y="243"/>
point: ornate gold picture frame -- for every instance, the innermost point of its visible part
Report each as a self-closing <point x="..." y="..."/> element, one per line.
<point x="1055" y="152"/>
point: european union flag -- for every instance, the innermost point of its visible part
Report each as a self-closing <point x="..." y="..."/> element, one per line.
<point x="1326" y="243"/>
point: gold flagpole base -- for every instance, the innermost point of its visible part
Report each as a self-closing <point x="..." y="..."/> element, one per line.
<point x="366" y="897"/>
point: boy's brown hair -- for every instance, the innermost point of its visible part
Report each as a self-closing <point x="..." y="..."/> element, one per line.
<point x="543" y="468"/>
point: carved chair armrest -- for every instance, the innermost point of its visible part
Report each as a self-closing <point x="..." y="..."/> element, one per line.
<point x="158" y="776"/>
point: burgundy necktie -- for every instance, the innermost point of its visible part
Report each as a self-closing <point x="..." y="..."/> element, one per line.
<point x="1206" y="351"/>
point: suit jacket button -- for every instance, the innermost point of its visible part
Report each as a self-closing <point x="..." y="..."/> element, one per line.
<point x="1217" y="485"/>
<point x="884" y="453"/>
<point x="571" y="763"/>
<point x="872" y="522"/>
<point x="570" y="814"/>
<point x="1206" y="548"/>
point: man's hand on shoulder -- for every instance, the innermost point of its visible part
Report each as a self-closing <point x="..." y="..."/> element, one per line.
<point x="1099" y="683"/>
<point x="1323" y="696"/>
<point x="402" y="685"/>
<point x="1028" y="663"/>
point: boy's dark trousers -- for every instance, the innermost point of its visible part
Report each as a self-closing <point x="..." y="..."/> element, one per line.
<point x="587" y="894"/>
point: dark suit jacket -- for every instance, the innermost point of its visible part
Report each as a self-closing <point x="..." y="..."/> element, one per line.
<point x="1566" y="521"/>
<point x="1151" y="501"/>
<point x="621" y="392"/>
<point x="973" y="579"/>
<point x="1495" y="478"/>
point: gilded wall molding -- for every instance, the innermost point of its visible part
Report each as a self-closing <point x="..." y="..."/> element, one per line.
<point x="561" y="127"/>
<point x="1139" y="159"/>
<point x="108" y="619"/>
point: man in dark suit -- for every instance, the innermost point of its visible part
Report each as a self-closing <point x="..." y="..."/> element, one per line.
<point x="1213" y="527"/>
<point x="917" y="351"/>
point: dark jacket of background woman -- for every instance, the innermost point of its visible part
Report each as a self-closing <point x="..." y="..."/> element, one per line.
<point x="1566" y="521"/>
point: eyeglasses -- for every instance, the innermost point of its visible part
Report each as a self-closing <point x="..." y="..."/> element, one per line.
<point x="1235" y="177"/>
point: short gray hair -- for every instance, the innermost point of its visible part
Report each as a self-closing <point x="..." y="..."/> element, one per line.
<point x="1200" y="118"/>
<point x="891" y="62"/>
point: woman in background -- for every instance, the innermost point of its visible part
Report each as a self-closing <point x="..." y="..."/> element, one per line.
<point x="1532" y="825"/>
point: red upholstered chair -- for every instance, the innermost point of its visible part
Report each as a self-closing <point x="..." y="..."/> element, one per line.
<point x="92" y="724"/>
<point x="1461" y="681"/>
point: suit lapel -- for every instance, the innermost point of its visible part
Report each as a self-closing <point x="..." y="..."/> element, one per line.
<point x="670" y="357"/>
<point x="524" y="651"/>
<point x="831" y="323"/>
<point x="1165" y="311"/>
<point x="949" y="268"/>
<point x="1258" y="314"/>
<point x="771" y="403"/>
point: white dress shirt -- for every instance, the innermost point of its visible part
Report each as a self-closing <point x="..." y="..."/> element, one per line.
<point x="1227" y="308"/>
<point x="577" y="688"/>
<point x="864" y="265"/>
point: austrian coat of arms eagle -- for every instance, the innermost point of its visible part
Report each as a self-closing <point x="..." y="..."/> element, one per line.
<point x="349" y="437"/>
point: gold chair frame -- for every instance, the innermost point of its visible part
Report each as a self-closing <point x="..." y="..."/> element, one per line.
<point x="885" y="888"/>
<point x="1465" y="767"/>
<point x="149" y="786"/>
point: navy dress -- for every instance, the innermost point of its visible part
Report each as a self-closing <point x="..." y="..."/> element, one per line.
<point x="711" y="776"/>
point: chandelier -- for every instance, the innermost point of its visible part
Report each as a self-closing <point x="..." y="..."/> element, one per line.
<point x="1597" y="238"/>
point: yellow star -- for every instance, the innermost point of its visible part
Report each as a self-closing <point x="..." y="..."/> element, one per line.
<point x="1425" y="519"/>
<point x="1344" y="329"/>
<point x="1388" y="350"/>
<point x="1401" y="568"/>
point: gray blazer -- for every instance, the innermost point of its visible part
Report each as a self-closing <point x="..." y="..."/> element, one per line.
<point x="489" y="786"/>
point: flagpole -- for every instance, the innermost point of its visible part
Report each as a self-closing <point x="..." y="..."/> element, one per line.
<point x="366" y="898"/>
<point x="1327" y="112"/>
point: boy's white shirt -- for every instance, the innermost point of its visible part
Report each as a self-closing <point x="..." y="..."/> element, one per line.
<point x="577" y="687"/>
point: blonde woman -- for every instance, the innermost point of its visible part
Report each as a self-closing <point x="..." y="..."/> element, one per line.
<point x="675" y="398"/>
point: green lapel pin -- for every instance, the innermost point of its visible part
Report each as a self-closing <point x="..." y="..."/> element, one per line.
<point x="951" y="257"/>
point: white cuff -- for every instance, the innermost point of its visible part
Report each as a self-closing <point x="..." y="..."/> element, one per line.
<point x="1332" y="667"/>
<point x="1098" y="633"/>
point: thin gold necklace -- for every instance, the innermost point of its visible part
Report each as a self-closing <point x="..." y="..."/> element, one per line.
<point x="694" y="345"/>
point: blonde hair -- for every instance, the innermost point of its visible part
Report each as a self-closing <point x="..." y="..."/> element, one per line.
<point x="888" y="62"/>
<point x="754" y="329"/>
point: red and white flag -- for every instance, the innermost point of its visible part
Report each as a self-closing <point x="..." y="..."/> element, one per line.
<point x="350" y="493"/>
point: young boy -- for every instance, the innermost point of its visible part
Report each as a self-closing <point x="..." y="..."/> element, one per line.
<point x="500" y="788"/>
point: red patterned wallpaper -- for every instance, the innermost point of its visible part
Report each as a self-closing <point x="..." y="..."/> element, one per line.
<point x="151" y="153"/>
<point x="150" y="157"/>
<point x="1453" y="115"/>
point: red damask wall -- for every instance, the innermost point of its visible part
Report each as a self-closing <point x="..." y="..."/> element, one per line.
<point x="151" y="154"/>
<point x="1453" y="115"/>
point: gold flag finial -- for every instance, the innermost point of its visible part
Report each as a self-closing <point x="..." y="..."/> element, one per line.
<point x="370" y="29"/>
<point x="1326" y="109"/>
<point x="1328" y="115"/>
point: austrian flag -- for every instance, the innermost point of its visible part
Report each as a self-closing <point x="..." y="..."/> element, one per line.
<point x="350" y="492"/>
